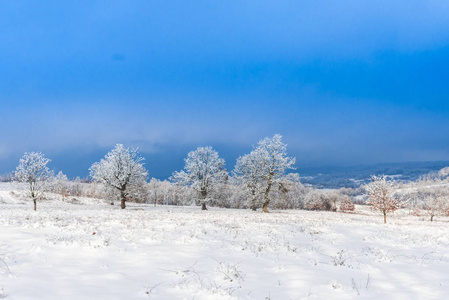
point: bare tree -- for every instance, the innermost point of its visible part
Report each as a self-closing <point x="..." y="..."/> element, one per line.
<point x="203" y="171"/>
<point x="122" y="168"/>
<point x="436" y="202"/>
<point x="381" y="195"/>
<point x="33" y="170"/>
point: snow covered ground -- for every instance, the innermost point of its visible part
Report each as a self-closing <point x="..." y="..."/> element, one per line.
<point x="87" y="249"/>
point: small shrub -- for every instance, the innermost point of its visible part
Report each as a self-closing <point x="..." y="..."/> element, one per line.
<point x="346" y="205"/>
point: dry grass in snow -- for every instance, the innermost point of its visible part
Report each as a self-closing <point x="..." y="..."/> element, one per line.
<point x="91" y="250"/>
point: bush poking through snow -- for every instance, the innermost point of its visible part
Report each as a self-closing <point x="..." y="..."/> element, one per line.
<point x="340" y="259"/>
<point x="228" y="278"/>
<point x="2" y="293"/>
<point x="322" y="200"/>
<point x="347" y="205"/>
<point x="151" y="289"/>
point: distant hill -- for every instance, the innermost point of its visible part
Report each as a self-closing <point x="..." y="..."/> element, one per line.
<point x="354" y="176"/>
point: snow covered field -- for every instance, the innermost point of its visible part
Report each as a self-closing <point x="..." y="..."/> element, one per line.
<point x="91" y="250"/>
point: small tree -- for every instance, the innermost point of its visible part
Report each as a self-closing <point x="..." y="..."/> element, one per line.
<point x="381" y="195"/>
<point x="60" y="184"/>
<point x="155" y="194"/>
<point x="122" y="168"/>
<point x="436" y="205"/>
<point x="203" y="171"/>
<point x="33" y="170"/>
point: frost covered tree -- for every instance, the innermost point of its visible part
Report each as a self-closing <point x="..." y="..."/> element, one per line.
<point x="122" y="168"/>
<point x="322" y="200"/>
<point x="249" y="171"/>
<point x="273" y="162"/>
<point x="203" y="171"/>
<point x="158" y="191"/>
<point x="444" y="173"/>
<point x="60" y="184"/>
<point x="291" y="193"/>
<point x="433" y="206"/>
<point x="315" y="200"/>
<point x="230" y="195"/>
<point x="436" y="204"/>
<point x="33" y="170"/>
<point x="138" y="192"/>
<point x="381" y="195"/>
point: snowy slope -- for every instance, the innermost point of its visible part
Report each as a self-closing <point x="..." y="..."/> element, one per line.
<point x="92" y="250"/>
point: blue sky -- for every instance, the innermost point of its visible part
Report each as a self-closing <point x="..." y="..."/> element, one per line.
<point x="345" y="82"/>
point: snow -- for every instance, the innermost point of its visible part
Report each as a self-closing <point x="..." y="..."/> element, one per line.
<point x="92" y="250"/>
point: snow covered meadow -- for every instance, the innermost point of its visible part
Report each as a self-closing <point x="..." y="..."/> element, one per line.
<point x="87" y="249"/>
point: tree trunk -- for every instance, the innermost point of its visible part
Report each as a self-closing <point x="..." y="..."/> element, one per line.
<point x="123" y="199"/>
<point x="254" y="200"/>
<point x="431" y="218"/>
<point x="266" y="197"/>
<point x="203" y="199"/>
<point x="385" y="218"/>
<point x="33" y="195"/>
<point x="265" y="207"/>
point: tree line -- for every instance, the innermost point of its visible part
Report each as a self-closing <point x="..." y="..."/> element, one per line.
<point x="259" y="180"/>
